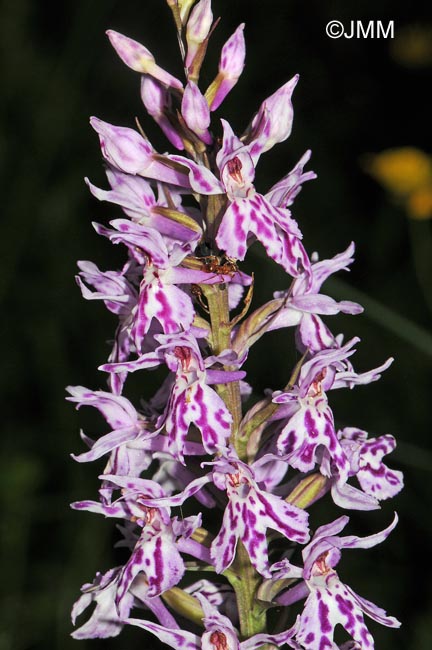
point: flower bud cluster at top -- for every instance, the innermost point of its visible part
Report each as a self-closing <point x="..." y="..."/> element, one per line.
<point x="189" y="220"/>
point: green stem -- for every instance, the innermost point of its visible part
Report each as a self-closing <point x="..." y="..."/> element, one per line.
<point x="243" y="577"/>
<point x="252" y="616"/>
<point x="217" y="300"/>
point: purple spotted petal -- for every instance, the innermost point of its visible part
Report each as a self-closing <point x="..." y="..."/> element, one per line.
<point x="201" y="179"/>
<point x="278" y="233"/>
<point x="282" y="194"/>
<point x="331" y="603"/>
<point x="157" y="557"/>
<point x="311" y="426"/>
<point x="314" y="334"/>
<point x="168" y="304"/>
<point x="104" y="621"/>
<point x="177" y="639"/>
<point x="200" y="405"/>
<point x="373" y="475"/>
<point x="250" y="511"/>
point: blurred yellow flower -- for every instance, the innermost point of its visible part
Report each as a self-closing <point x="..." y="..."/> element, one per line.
<point x="412" y="45"/>
<point x="419" y="204"/>
<point x="406" y="173"/>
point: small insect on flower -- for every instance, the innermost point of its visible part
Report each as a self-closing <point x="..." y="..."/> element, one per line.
<point x="220" y="265"/>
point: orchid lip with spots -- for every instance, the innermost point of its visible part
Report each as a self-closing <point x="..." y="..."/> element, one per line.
<point x="245" y="468"/>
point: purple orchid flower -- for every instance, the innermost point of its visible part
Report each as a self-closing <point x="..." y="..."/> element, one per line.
<point x="250" y="511"/>
<point x="129" y="152"/>
<point x="137" y="198"/>
<point x="365" y="457"/>
<point x="248" y="213"/>
<point x="310" y="419"/>
<point x="330" y="602"/>
<point x="191" y="399"/>
<point x="303" y="304"/>
<point x="219" y="634"/>
<point x="126" y="423"/>
<point x="105" y="620"/>
<point x="156" y="551"/>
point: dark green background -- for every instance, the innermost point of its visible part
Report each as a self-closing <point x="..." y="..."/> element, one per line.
<point x="353" y="98"/>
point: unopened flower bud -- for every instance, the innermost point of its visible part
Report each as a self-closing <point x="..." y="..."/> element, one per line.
<point x="140" y="59"/>
<point x="273" y="122"/>
<point x="128" y="151"/>
<point x="196" y="112"/>
<point x="231" y="66"/>
<point x="198" y="27"/>
<point x="157" y="101"/>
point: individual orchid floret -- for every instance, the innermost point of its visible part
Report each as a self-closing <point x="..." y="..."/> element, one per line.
<point x="157" y="100"/>
<point x="217" y="594"/>
<point x="138" y="57"/>
<point x="159" y="297"/>
<point x="197" y="29"/>
<point x="156" y="551"/>
<point x="105" y="620"/>
<point x="300" y="306"/>
<point x="310" y="419"/>
<point x="127" y="150"/>
<point x="120" y="297"/>
<point x="113" y="287"/>
<point x="126" y="423"/>
<point x="191" y="399"/>
<point x="273" y="122"/>
<point x="303" y="304"/>
<point x="366" y="463"/>
<point x="283" y="193"/>
<point x="330" y="602"/>
<point x="219" y="634"/>
<point x="248" y="214"/>
<point x="155" y="555"/>
<point x="195" y="112"/>
<point x="137" y="198"/>
<point x="310" y="422"/>
<point x="231" y="66"/>
<point x="250" y="511"/>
